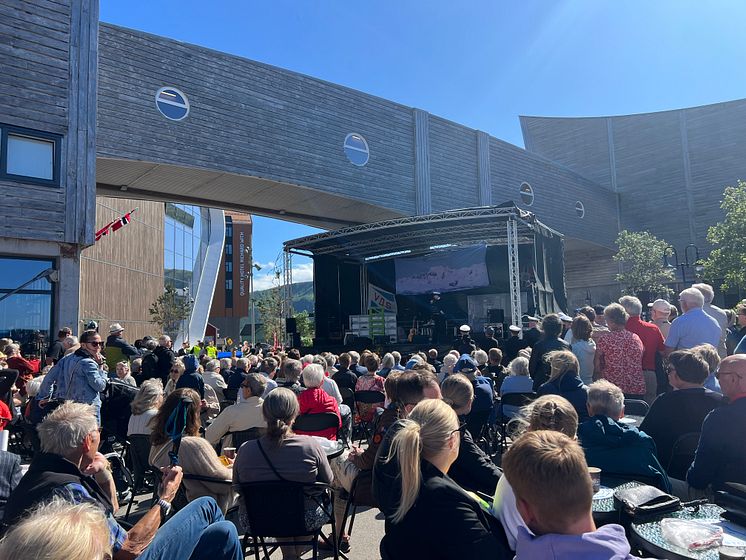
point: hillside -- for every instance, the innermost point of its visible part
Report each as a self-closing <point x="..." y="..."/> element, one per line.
<point x="302" y="297"/>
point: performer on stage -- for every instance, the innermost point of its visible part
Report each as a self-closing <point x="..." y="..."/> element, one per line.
<point x="438" y="318"/>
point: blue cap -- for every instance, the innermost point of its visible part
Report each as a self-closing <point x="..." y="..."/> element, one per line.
<point x="190" y="363"/>
<point x="465" y="363"/>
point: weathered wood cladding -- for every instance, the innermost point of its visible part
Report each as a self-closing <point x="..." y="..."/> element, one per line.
<point x="48" y="83"/>
<point x="670" y="167"/>
<point x="453" y="165"/>
<point x="122" y="273"/>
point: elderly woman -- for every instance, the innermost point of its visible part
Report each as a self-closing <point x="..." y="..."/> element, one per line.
<point x="518" y="381"/>
<point x="245" y="414"/>
<point x="123" y="374"/>
<point x="145" y="406"/>
<point x="564" y="381"/>
<point x="387" y="364"/>
<point x="314" y="400"/>
<point x="473" y="468"/>
<point x="196" y="455"/>
<point x="281" y="455"/>
<point x="415" y="492"/>
<point x="583" y="346"/>
<point x="177" y="370"/>
<point x="449" y="361"/>
<point x="618" y="356"/>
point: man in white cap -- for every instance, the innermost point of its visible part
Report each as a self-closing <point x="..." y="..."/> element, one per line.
<point x="660" y="310"/>
<point x="116" y="340"/>
<point x="533" y="334"/>
<point x="566" y="323"/>
<point x="513" y="345"/>
<point x="464" y="344"/>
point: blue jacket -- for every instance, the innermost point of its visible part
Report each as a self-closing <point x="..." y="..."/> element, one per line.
<point x="571" y="387"/>
<point x="608" y="541"/>
<point x="622" y="452"/>
<point x="79" y="378"/>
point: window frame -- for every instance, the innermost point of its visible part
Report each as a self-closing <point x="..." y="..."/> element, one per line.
<point x="186" y="105"/>
<point x="530" y="192"/>
<point x="366" y="151"/>
<point x="7" y="130"/>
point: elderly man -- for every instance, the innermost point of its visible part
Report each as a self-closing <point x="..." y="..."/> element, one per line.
<point x="166" y="357"/>
<point x="70" y="467"/>
<point x="116" y="340"/>
<point x="621" y="451"/>
<point x="694" y="326"/>
<point x="238" y="374"/>
<point x="291" y="370"/>
<point x="652" y="343"/>
<point x="532" y="334"/>
<point x="80" y="377"/>
<point x="716" y="313"/>
<point x="213" y="378"/>
<point x="244" y="415"/>
<point x="660" y="311"/>
<point x="721" y="453"/>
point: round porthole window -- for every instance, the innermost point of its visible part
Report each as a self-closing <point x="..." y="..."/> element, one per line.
<point x="356" y="149"/>
<point x="527" y="194"/>
<point x="579" y="209"/>
<point x="172" y="103"/>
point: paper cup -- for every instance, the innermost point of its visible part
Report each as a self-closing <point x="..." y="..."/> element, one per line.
<point x="229" y="452"/>
<point x="595" y="473"/>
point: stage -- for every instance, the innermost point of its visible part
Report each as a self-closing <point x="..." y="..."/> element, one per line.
<point x="374" y="283"/>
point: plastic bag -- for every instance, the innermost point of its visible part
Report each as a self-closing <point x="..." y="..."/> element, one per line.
<point x="691" y="535"/>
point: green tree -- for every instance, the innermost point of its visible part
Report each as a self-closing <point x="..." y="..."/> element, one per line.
<point x="170" y="309"/>
<point x="727" y="261"/>
<point x="641" y="256"/>
<point x="270" y="310"/>
<point x="305" y="327"/>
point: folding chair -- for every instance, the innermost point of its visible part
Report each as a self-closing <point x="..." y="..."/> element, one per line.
<point x="277" y="510"/>
<point x="139" y="450"/>
<point x="242" y="436"/>
<point x="367" y="397"/>
<point x="317" y="422"/>
<point x="511" y="399"/>
<point x="123" y="481"/>
<point x="682" y="455"/>
<point x="230" y="395"/>
<point x="636" y="407"/>
<point x="360" y="495"/>
<point x="348" y="397"/>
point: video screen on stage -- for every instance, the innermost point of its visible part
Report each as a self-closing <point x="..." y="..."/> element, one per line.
<point x="447" y="271"/>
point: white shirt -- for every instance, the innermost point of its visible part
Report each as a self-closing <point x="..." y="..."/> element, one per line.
<point x="138" y="424"/>
<point x="505" y="509"/>
<point x="330" y="388"/>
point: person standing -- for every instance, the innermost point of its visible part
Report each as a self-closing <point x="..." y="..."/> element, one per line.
<point x="538" y="368"/>
<point x="165" y="356"/>
<point x="694" y="326"/>
<point x="618" y="356"/>
<point x="116" y="340"/>
<point x="56" y="349"/>
<point x="652" y="343"/>
<point x="716" y="313"/>
<point x="513" y="345"/>
<point x="660" y="311"/>
<point x="532" y="334"/>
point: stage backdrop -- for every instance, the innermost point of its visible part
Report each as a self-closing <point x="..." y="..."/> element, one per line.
<point x="448" y="271"/>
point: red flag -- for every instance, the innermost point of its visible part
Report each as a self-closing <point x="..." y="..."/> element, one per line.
<point x="117" y="224"/>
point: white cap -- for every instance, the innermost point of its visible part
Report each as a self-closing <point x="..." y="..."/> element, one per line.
<point x="513" y="328"/>
<point x="464" y="328"/>
<point x="115" y="328"/>
<point x="661" y="305"/>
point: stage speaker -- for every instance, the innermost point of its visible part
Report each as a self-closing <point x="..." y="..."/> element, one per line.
<point x="291" y="326"/>
<point x="296" y="340"/>
<point x="496" y="315"/>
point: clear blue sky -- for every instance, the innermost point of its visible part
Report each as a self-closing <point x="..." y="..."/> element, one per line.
<point x="480" y="63"/>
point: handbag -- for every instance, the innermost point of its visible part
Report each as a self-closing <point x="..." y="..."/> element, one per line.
<point x="645" y="501"/>
<point x="733" y="501"/>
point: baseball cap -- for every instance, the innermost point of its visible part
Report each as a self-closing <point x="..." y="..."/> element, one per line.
<point x="465" y="363"/>
<point x="661" y="305"/>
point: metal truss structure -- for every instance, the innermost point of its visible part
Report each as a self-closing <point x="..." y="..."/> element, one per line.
<point x="514" y="274"/>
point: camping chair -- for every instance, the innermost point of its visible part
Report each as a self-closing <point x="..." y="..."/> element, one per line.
<point x="277" y="510"/>
<point x="317" y="422"/>
<point x="511" y="399"/>
<point x="139" y="450"/>
<point x="367" y="397"/>
<point x="636" y="407"/>
<point x="682" y="455"/>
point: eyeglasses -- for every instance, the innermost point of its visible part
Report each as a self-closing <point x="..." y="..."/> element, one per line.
<point x="96" y="343"/>
<point x="461" y="428"/>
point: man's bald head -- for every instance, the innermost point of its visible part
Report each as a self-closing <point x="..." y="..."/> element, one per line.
<point x="732" y="375"/>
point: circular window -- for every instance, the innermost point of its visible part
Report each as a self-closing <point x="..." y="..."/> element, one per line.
<point x="579" y="209"/>
<point x="172" y="103"/>
<point x="356" y="149"/>
<point x="527" y="194"/>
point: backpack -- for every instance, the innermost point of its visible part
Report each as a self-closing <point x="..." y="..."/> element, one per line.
<point x="149" y="366"/>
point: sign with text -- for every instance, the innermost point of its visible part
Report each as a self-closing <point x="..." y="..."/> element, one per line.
<point x="381" y="299"/>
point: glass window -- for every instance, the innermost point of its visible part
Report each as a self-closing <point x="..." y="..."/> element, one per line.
<point x="356" y="149"/>
<point x="172" y="103"/>
<point x="30" y="157"/>
<point x="580" y="209"/>
<point x="229" y="284"/>
<point x="228" y="299"/>
<point x="229" y="249"/>
<point x="229" y="266"/>
<point x="527" y="194"/>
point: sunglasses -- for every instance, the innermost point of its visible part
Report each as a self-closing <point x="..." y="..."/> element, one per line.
<point x="175" y="371"/>
<point x="96" y="343"/>
<point x="461" y="428"/>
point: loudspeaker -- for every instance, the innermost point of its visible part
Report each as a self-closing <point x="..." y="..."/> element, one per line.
<point x="496" y="315"/>
<point x="290" y="325"/>
<point x="296" y="340"/>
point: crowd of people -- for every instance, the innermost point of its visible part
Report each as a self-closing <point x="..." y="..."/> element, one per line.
<point x="424" y="417"/>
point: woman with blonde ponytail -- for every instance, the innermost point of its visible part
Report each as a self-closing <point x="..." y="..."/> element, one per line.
<point x="416" y="495"/>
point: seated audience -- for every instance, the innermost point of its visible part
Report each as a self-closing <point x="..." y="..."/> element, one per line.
<point x="538" y="368"/>
<point x="191" y="378"/>
<point x="550" y="412"/>
<point x="710" y="355"/>
<point x="449" y="362"/>
<point x="683" y="410"/>
<point x="196" y="455"/>
<point x="345" y="377"/>
<point x="495" y="370"/>
<point x="70" y="468"/>
<point x="564" y="381"/>
<point x="473" y="468"/>
<point x="518" y="381"/>
<point x="621" y="451"/>
<point x="243" y="415"/>
<point x="291" y="370"/>
<point x="387" y="365"/>
<point x="583" y="346"/>
<point x="618" y="357"/>
<point x="214" y="379"/>
<point x="10" y="476"/>
<point x="145" y="406"/>
<point x="554" y="495"/>
<point x="481" y="408"/>
<point x="721" y="453"/>
<point x="328" y="384"/>
<point x="123" y="374"/>
<point x="369" y="381"/>
<point x="419" y="454"/>
<point x="176" y="371"/>
<point x="314" y="400"/>
<point x="268" y="369"/>
<point x="283" y="455"/>
<point x="237" y="375"/>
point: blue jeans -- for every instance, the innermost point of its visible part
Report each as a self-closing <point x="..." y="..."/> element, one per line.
<point x="197" y="532"/>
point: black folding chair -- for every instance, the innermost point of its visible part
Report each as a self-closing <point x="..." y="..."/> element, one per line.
<point x="277" y="510"/>
<point x="682" y="455"/>
<point x="230" y="395"/>
<point x="138" y="450"/>
<point x="636" y="407"/>
<point x="123" y="481"/>
<point x="317" y="422"/>
<point x="242" y="436"/>
<point x="511" y="399"/>
<point x="360" y="495"/>
<point x="367" y="397"/>
<point x="348" y="397"/>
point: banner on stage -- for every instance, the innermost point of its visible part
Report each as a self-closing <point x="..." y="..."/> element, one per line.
<point x="443" y="272"/>
<point x="378" y="298"/>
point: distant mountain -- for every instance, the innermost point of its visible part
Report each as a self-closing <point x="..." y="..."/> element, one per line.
<point x="302" y="297"/>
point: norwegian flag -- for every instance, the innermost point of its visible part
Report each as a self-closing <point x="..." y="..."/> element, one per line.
<point x="117" y="224"/>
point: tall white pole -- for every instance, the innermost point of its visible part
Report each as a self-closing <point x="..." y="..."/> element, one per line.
<point x="251" y="299"/>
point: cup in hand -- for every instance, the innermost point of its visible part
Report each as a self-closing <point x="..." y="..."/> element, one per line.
<point x="229" y="452"/>
<point x="595" y="473"/>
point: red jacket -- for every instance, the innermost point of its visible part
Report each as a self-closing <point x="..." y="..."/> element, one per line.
<point x="316" y="401"/>
<point x="652" y="340"/>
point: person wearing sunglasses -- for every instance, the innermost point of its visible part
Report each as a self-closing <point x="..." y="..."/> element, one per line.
<point x="79" y="377"/>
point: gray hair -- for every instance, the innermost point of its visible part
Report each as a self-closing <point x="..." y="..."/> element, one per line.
<point x="291" y="370"/>
<point x="136" y="365"/>
<point x="212" y="365"/>
<point x="605" y="398"/>
<point x="518" y="366"/>
<point x="12" y="349"/>
<point x="692" y="297"/>
<point x="707" y="292"/>
<point x="226" y="363"/>
<point x="65" y="428"/>
<point x="148" y="397"/>
<point x="388" y="361"/>
<point x="151" y="345"/>
<point x="242" y="363"/>
<point x="397" y="356"/>
<point x="164" y="339"/>
<point x="616" y="314"/>
<point x="631" y="305"/>
<point x="481" y="357"/>
<point x="355" y="356"/>
<point x="69" y="342"/>
<point x="313" y="375"/>
<point x="257" y="384"/>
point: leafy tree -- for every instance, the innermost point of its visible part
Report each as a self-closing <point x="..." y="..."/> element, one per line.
<point x="641" y="256"/>
<point x="305" y="327"/>
<point x="170" y="309"/>
<point x="727" y="261"/>
<point x="270" y="309"/>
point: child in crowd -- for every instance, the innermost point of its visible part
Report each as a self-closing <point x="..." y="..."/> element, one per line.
<point x="554" y="492"/>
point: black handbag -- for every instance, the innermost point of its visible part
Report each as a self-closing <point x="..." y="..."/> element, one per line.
<point x="645" y="501"/>
<point x="733" y="501"/>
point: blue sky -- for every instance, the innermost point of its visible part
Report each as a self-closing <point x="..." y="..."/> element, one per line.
<point x="480" y="63"/>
